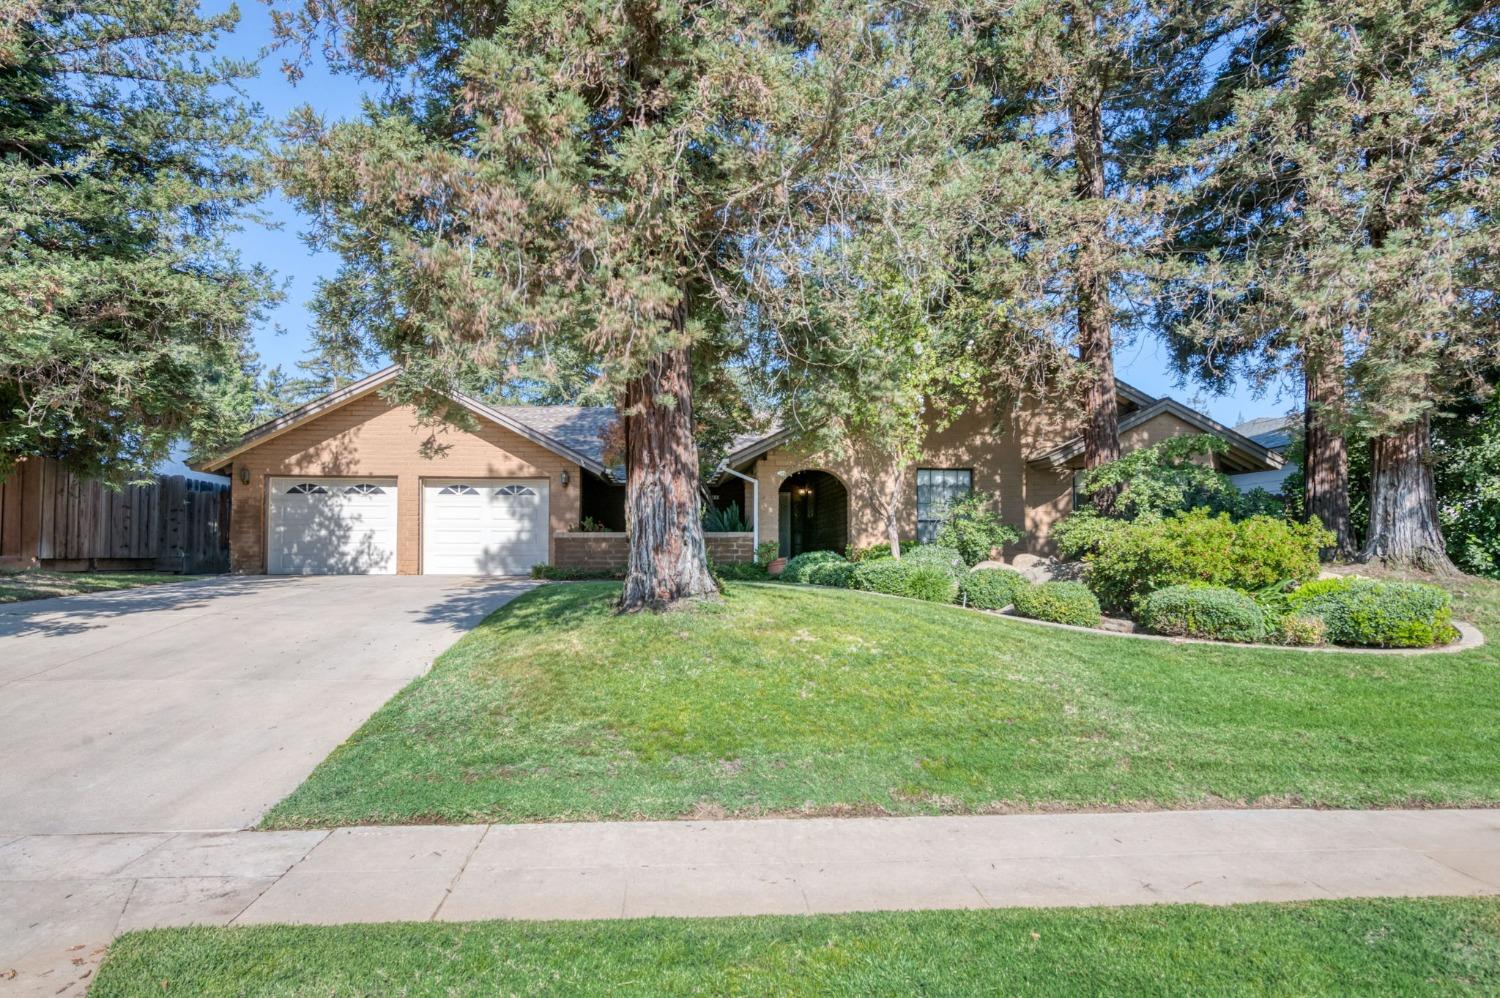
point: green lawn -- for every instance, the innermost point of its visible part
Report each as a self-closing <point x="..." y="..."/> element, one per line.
<point x="1344" y="947"/>
<point x="37" y="584"/>
<point x="800" y="700"/>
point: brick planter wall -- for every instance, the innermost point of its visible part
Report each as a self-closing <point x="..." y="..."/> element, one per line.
<point x="611" y="550"/>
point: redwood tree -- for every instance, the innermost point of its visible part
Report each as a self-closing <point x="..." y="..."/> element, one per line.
<point x="599" y="177"/>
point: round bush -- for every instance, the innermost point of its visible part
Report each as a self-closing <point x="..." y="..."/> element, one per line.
<point x="1196" y="611"/>
<point x="831" y="573"/>
<point x="1249" y="555"/>
<point x="797" y="568"/>
<point x="1367" y="613"/>
<point x="916" y="579"/>
<point x="990" y="588"/>
<point x="936" y="554"/>
<point x="1059" y="602"/>
<point x="1301" y="629"/>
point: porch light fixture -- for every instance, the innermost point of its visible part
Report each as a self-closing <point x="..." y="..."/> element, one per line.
<point x="563" y="478"/>
<point x="244" y="475"/>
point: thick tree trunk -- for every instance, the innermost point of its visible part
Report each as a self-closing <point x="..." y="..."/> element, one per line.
<point x="1404" y="528"/>
<point x="1101" y="427"/>
<point x="668" y="559"/>
<point x="1325" y="466"/>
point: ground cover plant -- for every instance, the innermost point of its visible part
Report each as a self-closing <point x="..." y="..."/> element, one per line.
<point x="1387" y="946"/>
<point x="790" y="699"/>
<point x="37" y="584"/>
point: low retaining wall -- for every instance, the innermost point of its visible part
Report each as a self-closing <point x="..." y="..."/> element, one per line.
<point x="610" y="550"/>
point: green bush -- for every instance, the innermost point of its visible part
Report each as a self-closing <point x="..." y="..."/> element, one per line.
<point x="798" y="568"/>
<point x="936" y="554"/>
<point x="741" y="571"/>
<point x="919" y="580"/>
<point x="831" y="573"/>
<point x="990" y="588"/>
<point x="1300" y="629"/>
<point x="1083" y="532"/>
<point x="1251" y="554"/>
<point x="971" y="525"/>
<point x="1367" y="613"/>
<point x="1199" y="611"/>
<point x="875" y="551"/>
<point x="558" y="573"/>
<point x="1059" y="602"/>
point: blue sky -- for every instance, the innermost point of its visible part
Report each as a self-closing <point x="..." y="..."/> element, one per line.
<point x="284" y="338"/>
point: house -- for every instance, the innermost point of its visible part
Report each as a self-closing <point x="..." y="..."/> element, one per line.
<point x="1275" y="434"/>
<point x="350" y="483"/>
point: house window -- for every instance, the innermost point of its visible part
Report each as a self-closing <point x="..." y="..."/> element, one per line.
<point x="307" y="489"/>
<point x="457" y="490"/>
<point x="935" y="487"/>
<point x="514" y="490"/>
<point x="364" y="490"/>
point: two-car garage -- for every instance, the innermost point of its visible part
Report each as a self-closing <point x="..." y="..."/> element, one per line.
<point x="349" y="526"/>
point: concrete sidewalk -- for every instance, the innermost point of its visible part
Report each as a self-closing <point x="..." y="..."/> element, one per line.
<point x="107" y="884"/>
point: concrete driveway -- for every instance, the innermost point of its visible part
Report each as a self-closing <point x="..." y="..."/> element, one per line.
<point x="199" y="705"/>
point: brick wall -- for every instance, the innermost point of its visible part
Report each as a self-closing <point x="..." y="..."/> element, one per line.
<point x="610" y="551"/>
<point x="368" y="437"/>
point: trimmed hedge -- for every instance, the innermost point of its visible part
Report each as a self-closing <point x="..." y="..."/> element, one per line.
<point x="1249" y="555"/>
<point x="831" y="573"/>
<point x="1059" y="602"/>
<point x="559" y="573"/>
<point x="990" y="588"/>
<point x="798" y="568"/>
<point x="936" y="554"/>
<point x="919" y="580"/>
<point x="1300" y="629"/>
<point x="1369" y="613"/>
<point x="1199" y="611"/>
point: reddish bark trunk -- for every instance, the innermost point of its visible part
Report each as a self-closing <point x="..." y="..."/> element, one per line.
<point x="1325" y="467"/>
<point x="1404" y="528"/>
<point x="668" y="559"/>
<point x="1101" y="427"/>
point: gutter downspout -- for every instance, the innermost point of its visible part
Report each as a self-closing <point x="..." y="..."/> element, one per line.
<point x="754" y="503"/>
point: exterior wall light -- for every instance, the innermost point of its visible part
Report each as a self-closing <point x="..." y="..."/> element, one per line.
<point x="563" y="478"/>
<point x="244" y="475"/>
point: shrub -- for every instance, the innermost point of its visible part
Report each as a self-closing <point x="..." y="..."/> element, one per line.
<point x="1300" y="629"/>
<point x="559" y="573"/>
<point x="1368" y="613"/>
<point x="766" y="552"/>
<point x="990" y="588"/>
<point x="972" y="526"/>
<point x="1059" y="602"/>
<point x="741" y="571"/>
<point x="936" y="554"/>
<point x="874" y="551"/>
<point x="831" y="573"/>
<point x="1199" y="611"/>
<point x="797" y="569"/>
<point x="925" y="581"/>
<point x="1083" y="532"/>
<point x="1142" y="557"/>
<point x="726" y="520"/>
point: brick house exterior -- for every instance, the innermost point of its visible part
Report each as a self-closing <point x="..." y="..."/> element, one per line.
<point x="1026" y="455"/>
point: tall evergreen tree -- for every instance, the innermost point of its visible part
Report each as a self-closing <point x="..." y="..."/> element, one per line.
<point x="1341" y="225"/>
<point x="598" y="175"/>
<point x="125" y="157"/>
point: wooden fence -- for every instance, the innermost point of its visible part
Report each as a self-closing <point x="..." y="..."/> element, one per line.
<point x="52" y="518"/>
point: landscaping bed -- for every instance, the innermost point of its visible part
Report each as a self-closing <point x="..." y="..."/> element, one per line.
<point x="795" y="700"/>
<point x="1405" y="946"/>
<point x="38" y="584"/>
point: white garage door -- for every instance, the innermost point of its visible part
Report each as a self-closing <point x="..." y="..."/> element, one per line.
<point x="483" y="527"/>
<point x="332" y="526"/>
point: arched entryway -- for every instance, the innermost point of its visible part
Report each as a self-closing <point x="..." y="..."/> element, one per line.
<point x="814" y="508"/>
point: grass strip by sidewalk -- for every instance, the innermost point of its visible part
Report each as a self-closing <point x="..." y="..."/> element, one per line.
<point x="794" y="700"/>
<point x="38" y="584"/>
<point x="1431" y="946"/>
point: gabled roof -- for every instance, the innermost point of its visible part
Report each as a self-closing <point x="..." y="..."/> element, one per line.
<point x="1274" y="432"/>
<point x="574" y="432"/>
<point x="1244" y="453"/>
<point x="750" y="446"/>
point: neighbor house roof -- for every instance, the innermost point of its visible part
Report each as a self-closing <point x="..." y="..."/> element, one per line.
<point x="1274" y="432"/>
<point x="574" y="432"/>
<point x="1244" y="454"/>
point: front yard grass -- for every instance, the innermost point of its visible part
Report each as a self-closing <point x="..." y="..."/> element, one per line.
<point x="39" y="584"/>
<point x="1326" y="947"/>
<point x="795" y="700"/>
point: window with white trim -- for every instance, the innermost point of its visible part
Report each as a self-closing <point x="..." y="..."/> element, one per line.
<point x="935" y="488"/>
<point x="515" y="490"/>
<point x="307" y="489"/>
<point x="364" y="489"/>
<point x="457" y="490"/>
